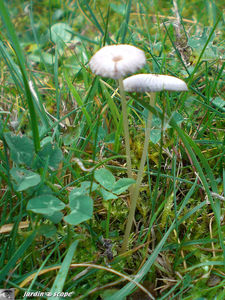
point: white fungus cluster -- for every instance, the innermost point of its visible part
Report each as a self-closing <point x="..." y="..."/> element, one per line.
<point x="153" y="83"/>
<point x="117" y="61"/>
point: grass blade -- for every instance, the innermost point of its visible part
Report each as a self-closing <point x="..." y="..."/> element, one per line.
<point x="203" y="50"/>
<point x="77" y="97"/>
<point x="21" y="61"/>
<point x="190" y="145"/>
<point x="61" y="277"/>
<point x="18" y="254"/>
<point x="126" y="21"/>
<point x="145" y="269"/>
<point x="94" y="21"/>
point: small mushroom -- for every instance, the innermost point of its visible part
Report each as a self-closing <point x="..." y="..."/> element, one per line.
<point x="153" y="83"/>
<point x="147" y="83"/>
<point x="116" y="61"/>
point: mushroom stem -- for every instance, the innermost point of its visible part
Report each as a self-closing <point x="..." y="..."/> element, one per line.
<point x="136" y="189"/>
<point x="125" y="127"/>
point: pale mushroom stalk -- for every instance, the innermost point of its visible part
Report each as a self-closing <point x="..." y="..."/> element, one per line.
<point x="136" y="189"/>
<point x="125" y="128"/>
<point x="146" y="83"/>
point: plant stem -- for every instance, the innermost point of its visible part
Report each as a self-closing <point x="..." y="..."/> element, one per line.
<point x="125" y="128"/>
<point x="136" y="190"/>
<point x="108" y="219"/>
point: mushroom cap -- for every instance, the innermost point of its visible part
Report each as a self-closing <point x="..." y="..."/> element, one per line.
<point x="153" y="83"/>
<point x="117" y="61"/>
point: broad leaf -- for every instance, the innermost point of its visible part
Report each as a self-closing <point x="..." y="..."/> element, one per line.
<point x="45" y="204"/>
<point x="105" y="178"/>
<point x="107" y="195"/>
<point x="60" y="32"/>
<point x="87" y="184"/>
<point x="50" y="154"/>
<point x="219" y="103"/>
<point x="197" y="43"/>
<point x="120" y="9"/>
<point x="178" y="118"/>
<point x="21" y="149"/>
<point x="81" y="209"/>
<point x="24" y="179"/>
<point x="47" y="57"/>
<point x="55" y="217"/>
<point x="83" y="189"/>
<point x="122" y="185"/>
<point x="48" y="230"/>
<point x="155" y="135"/>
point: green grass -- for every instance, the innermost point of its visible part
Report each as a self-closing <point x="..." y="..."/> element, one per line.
<point x="176" y="248"/>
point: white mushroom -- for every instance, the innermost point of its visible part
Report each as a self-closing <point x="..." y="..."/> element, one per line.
<point x="116" y="61"/>
<point x="147" y="83"/>
<point x="153" y="83"/>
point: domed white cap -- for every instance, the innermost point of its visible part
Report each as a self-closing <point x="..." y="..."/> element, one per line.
<point x="117" y="61"/>
<point x="153" y="83"/>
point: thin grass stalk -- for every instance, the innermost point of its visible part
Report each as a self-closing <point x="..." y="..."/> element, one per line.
<point x="136" y="190"/>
